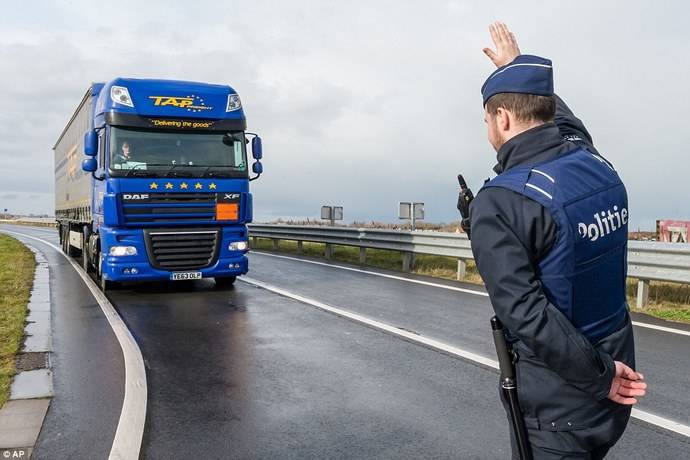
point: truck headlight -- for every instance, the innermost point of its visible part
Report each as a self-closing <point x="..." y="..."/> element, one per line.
<point x="123" y="251"/>
<point x="238" y="246"/>
<point x="234" y="103"/>
<point x="120" y="95"/>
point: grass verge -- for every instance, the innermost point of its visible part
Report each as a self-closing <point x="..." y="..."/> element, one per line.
<point x="668" y="301"/>
<point x="17" y="266"/>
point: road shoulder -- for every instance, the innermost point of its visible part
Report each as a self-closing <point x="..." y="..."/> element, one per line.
<point x="21" y="418"/>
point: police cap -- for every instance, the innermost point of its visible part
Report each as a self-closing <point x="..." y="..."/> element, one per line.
<point x="526" y="74"/>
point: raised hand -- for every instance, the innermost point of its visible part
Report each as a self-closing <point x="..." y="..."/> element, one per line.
<point x="506" y="45"/>
<point x="627" y="385"/>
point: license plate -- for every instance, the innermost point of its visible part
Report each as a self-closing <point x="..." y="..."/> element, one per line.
<point x="179" y="276"/>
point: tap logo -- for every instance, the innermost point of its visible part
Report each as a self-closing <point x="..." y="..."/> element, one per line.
<point x="606" y="223"/>
<point x="192" y="103"/>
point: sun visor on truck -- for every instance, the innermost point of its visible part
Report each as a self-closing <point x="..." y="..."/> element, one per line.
<point x="154" y="101"/>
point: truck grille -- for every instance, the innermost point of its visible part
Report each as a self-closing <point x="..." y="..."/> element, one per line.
<point x="169" y="208"/>
<point x="182" y="249"/>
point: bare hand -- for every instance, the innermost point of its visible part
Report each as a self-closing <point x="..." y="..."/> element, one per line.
<point x="506" y="45"/>
<point x="626" y="385"/>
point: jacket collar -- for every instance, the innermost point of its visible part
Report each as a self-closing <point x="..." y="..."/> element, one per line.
<point x="533" y="146"/>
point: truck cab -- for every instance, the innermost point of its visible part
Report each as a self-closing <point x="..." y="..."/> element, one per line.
<point x="167" y="176"/>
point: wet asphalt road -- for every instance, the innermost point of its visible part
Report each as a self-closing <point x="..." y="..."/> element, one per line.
<point x="245" y="373"/>
<point x="462" y="320"/>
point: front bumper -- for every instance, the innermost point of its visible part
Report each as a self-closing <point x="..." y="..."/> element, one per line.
<point x="119" y="268"/>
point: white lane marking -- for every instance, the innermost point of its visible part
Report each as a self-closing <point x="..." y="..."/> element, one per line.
<point x="443" y="286"/>
<point x="130" y="427"/>
<point x="662" y="328"/>
<point x="432" y="343"/>
<point x="661" y="422"/>
<point x="383" y="275"/>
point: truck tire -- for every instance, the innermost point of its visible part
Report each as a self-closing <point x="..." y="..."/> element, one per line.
<point x="105" y="285"/>
<point x="65" y="239"/>
<point x="223" y="282"/>
<point x="85" y="259"/>
<point x="85" y="263"/>
<point x="66" y="247"/>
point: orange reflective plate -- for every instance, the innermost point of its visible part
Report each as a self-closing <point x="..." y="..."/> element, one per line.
<point x="227" y="211"/>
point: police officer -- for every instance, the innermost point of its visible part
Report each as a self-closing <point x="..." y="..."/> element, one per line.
<point x="549" y="235"/>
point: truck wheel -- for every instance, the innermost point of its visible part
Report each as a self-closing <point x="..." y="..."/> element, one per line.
<point x="85" y="259"/>
<point x="224" y="281"/>
<point x="66" y="247"/>
<point x="105" y="285"/>
<point x="65" y="240"/>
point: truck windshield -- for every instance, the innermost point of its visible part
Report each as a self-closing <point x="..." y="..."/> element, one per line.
<point x="145" y="153"/>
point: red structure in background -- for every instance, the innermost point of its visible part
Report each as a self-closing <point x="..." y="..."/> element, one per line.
<point x="673" y="231"/>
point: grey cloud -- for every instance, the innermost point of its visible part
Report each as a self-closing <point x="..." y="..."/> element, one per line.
<point x="359" y="103"/>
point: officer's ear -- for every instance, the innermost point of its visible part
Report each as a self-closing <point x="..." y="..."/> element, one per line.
<point x="504" y="119"/>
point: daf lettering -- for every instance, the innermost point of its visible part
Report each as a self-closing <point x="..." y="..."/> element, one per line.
<point x="136" y="196"/>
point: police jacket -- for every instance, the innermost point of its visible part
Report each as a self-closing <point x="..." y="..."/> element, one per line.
<point x="563" y="376"/>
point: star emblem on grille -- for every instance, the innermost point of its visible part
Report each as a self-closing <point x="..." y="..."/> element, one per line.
<point x="153" y="186"/>
<point x="212" y="186"/>
<point x="168" y="186"/>
<point x="183" y="186"/>
<point x="198" y="186"/>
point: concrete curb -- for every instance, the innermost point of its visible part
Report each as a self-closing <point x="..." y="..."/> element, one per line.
<point x="21" y="418"/>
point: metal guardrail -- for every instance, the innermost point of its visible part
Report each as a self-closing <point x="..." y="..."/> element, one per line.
<point x="647" y="261"/>
<point x="39" y="221"/>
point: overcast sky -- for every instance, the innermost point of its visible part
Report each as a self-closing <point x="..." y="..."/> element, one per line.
<point x="360" y="104"/>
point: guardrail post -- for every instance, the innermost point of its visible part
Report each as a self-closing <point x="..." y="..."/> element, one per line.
<point x="362" y="255"/>
<point x="642" y="293"/>
<point x="255" y="241"/>
<point x="299" y="248"/>
<point x="407" y="261"/>
<point x="275" y="242"/>
<point x="462" y="269"/>
<point x="328" y="252"/>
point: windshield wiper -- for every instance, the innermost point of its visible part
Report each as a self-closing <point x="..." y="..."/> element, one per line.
<point x="216" y="171"/>
<point x="139" y="172"/>
<point x="171" y="171"/>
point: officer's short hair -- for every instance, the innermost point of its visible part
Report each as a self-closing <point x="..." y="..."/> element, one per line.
<point x="525" y="107"/>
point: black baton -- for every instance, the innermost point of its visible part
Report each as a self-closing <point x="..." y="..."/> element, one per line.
<point x="509" y="388"/>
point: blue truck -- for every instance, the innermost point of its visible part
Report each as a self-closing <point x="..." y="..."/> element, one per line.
<point x="152" y="182"/>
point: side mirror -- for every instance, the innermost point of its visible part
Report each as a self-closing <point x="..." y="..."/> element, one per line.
<point x="257" y="150"/>
<point x="89" y="165"/>
<point x="91" y="143"/>
<point x="258" y="168"/>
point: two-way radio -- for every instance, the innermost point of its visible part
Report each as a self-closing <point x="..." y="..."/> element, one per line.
<point x="465" y="197"/>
